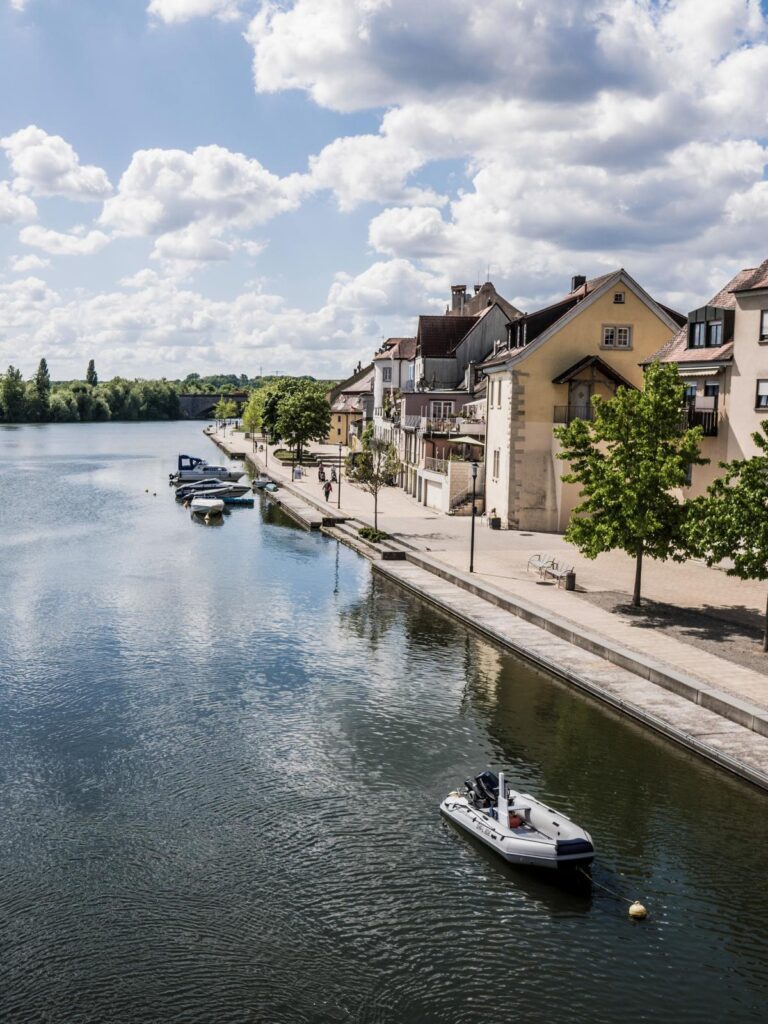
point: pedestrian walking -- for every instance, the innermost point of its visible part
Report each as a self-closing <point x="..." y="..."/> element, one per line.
<point x="327" y="488"/>
<point x="333" y="475"/>
<point x="321" y="473"/>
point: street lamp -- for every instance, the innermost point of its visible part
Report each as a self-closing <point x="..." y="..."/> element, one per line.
<point x="338" y="485"/>
<point x="472" y="536"/>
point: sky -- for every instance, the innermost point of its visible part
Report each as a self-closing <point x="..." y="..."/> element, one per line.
<point x="259" y="187"/>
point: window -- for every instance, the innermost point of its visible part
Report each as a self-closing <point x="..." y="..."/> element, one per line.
<point x="615" y="336"/>
<point x="698" y="336"/>
<point x="715" y="334"/>
<point x="761" y="400"/>
<point x="496" y="459"/>
<point x="387" y="374"/>
<point x="338" y="419"/>
<point x="618" y="298"/>
<point x="338" y="431"/>
<point x="764" y="325"/>
<point x="689" y="395"/>
<point x="711" y="390"/>
<point x="441" y="409"/>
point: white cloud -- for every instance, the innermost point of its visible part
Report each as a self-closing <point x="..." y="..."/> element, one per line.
<point x="391" y="288"/>
<point x="14" y="207"/>
<point x="22" y="264"/>
<point x="47" y="165"/>
<point x="189" y="201"/>
<point x="176" y="11"/>
<point x="18" y="5"/>
<point x="61" y="244"/>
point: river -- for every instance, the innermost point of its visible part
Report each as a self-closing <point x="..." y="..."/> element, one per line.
<point x="222" y="751"/>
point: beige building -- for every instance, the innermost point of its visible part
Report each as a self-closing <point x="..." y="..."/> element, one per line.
<point x="554" y="360"/>
<point x="722" y="354"/>
<point x="351" y="404"/>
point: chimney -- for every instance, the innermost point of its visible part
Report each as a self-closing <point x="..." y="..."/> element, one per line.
<point x="458" y="297"/>
<point x="577" y="282"/>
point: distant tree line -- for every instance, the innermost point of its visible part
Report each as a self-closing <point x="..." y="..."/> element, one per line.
<point x="39" y="400"/>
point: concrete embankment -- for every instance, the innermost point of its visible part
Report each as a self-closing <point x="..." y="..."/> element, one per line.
<point x="717" y="725"/>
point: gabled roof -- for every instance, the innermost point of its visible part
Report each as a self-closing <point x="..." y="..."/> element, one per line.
<point x="438" y="335"/>
<point x="598" y="364"/>
<point x="542" y="324"/>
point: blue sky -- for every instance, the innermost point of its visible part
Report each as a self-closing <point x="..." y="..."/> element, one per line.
<point x="228" y="184"/>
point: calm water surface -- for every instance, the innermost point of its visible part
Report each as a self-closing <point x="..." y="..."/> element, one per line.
<point x="221" y="755"/>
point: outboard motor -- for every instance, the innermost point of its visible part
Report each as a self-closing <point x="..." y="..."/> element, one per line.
<point x="487" y="788"/>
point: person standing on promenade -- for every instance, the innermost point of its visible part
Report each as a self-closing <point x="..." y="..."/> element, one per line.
<point x="321" y="473"/>
<point x="327" y="488"/>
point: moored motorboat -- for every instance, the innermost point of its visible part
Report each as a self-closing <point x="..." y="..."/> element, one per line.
<point x="189" y="468"/>
<point x="261" y="481"/>
<point x="210" y="487"/>
<point x="207" y="506"/>
<point x="518" y="827"/>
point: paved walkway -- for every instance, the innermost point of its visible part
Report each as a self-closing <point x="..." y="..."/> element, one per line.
<point x="501" y="559"/>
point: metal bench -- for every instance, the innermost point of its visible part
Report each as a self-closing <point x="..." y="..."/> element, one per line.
<point x="558" y="572"/>
<point x="540" y="563"/>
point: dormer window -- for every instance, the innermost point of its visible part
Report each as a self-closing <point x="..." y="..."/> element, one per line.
<point x="618" y="298"/>
<point x="709" y="327"/>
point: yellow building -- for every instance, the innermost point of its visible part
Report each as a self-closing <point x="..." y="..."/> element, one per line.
<point x="588" y="343"/>
<point x="351" y="407"/>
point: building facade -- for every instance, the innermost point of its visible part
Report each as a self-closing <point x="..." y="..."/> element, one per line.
<point x="553" y="362"/>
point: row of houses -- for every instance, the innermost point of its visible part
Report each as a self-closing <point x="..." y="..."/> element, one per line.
<point x="487" y="383"/>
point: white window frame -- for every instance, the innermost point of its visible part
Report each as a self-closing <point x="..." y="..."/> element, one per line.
<point x="618" y="298"/>
<point x="441" y="409"/>
<point x="386" y="374"/>
<point x="610" y="337"/>
<point x="761" y="392"/>
<point x="764" y="325"/>
<point x="496" y="462"/>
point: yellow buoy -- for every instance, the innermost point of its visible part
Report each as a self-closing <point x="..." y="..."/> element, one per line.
<point x="637" y="910"/>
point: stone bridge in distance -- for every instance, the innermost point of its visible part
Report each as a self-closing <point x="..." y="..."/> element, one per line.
<point x="200" y="407"/>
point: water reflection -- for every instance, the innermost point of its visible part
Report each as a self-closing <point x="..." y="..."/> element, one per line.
<point x="222" y="755"/>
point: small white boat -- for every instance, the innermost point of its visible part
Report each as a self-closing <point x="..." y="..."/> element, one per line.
<point x="518" y="827"/>
<point x="189" y="469"/>
<point x="210" y="488"/>
<point x="261" y="481"/>
<point x="207" y="506"/>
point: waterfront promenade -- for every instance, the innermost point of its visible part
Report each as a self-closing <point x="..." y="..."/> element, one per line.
<point x="706" y="687"/>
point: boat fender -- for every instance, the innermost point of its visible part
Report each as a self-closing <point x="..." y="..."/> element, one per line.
<point x="637" y="911"/>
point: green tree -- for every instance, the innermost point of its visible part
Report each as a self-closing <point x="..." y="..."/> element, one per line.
<point x="303" y="415"/>
<point x="91" y="377"/>
<point x="37" y="397"/>
<point x="225" y="409"/>
<point x="731" y="520"/>
<point x="12" y="395"/>
<point x="373" y="468"/>
<point x="63" y="407"/>
<point x="627" y="461"/>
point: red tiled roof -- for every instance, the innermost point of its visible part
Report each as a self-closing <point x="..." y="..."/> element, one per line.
<point x="758" y="278"/>
<point x="398" y="348"/>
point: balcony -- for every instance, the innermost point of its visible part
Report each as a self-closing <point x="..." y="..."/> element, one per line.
<point x="569" y="413"/>
<point x="436" y="466"/>
<point x="704" y="418"/>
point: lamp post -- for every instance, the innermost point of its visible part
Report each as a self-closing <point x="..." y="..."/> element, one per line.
<point x="472" y="534"/>
<point x="338" y="485"/>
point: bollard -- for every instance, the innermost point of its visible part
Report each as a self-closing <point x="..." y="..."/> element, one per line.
<point x="570" y="580"/>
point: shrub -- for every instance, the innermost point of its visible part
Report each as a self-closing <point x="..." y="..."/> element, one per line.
<point x="368" y="533"/>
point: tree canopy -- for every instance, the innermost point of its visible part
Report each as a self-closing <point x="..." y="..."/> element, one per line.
<point x="628" y="460"/>
<point x="731" y="520"/>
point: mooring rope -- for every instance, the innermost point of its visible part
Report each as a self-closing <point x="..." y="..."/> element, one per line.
<point x="636" y="909"/>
